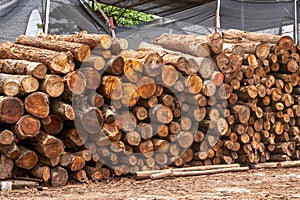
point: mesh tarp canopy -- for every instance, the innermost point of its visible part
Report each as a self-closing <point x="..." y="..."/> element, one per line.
<point x="70" y="16"/>
<point x="66" y="16"/>
<point x="255" y="15"/>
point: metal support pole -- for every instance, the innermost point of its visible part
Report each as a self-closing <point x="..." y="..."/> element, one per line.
<point x="217" y="17"/>
<point x="47" y="17"/>
<point x="295" y="21"/>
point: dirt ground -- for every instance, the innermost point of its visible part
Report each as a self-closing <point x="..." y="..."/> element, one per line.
<point x="253" y="184"/>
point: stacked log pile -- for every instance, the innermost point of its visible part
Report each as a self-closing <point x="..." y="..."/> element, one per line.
<point x="83" y="107"/>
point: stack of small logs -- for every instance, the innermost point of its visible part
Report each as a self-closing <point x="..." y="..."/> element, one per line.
<point x="84" y="107"/>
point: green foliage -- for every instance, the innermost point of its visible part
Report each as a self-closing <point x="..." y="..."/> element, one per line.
<point x="123" y="16"/>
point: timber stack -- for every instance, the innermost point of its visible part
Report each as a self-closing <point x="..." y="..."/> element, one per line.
<point x="84" y="107"/>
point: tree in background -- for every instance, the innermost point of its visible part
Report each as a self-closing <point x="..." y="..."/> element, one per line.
<point x="124" y="16"/>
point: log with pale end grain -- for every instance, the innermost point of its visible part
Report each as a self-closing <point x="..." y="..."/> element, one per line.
<point x="133" y="138"/>
<point x="262" y="50"/>
<point x="132" y="69"/>
<point x="92" y="77"/>
<point x="243" y="113"/>
<point x="53" y="85"/>
<point x="130" y="95"/>
<point x="27" y="127"/>
<point x="169" y="76"/>
<point x="75" y="82"/>
<point x="59" y="176"/>
<point x="12" y="85"/>
<point x="58" y="62"/>
<point x="185" y="139"/>
<point x="209" y="88"/>
<point x="183" y="43"/>
<point x="194" y="84"/>
<point x="6" y="137"/>
<point x="27" y="159"/>
<point x="37" y="104"/>
<point x="152" y="64"/>
<point x="140" y="112"/>
<point x="118" y="44"/>
<point x="146" y="87"/>
<point x="6" y="167"/>
<point x="47" y="145"/>
<point x="23" y="67"/>
<point x="101" y="41"/>
<point x="247" y="92"/>
<point x="285" y="43"/>
<point x="161" y="113"/>
<point x="95" y="61"/>
<point x="11" y="109"/>
<point x="65" y="159"/>
<point x="80" y="52"/>
<point x="111" y="87"/>
<point x="42" y="172"/>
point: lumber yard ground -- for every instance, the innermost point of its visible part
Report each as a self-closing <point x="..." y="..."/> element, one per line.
<point x="252" y="184"/>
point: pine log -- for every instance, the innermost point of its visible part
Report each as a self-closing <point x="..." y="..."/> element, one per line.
<point x="161" y="113"/>
<point x="6" y="137"/>
<point x="285" y="43"/>
<point x="112" y="87"/>
<point x="53" y="85"/>
<point x="23" y="67"/>
<point x="95" y="61"/>
<point x="51" y="162"/>
<point x="132" y="69"/>
<point x="6" y="167"/>
<point x="42" y="172"/>
<point x="187" y="44"/>
<point x="80" y="52"/>
<point x="47" y="145"/>
<point x="75" y="82"/>
<point x="11" y="109"/>
<point x="11" y="151"/>
<point x="59" y="176"/>
<point x="58" y="62"/>
<point x="37" y="104"/>
<point x="244" y="36"/>
<point x="101" y="41"/>
<point x="146" y="87"/>
<point x="27" y="159"/>
<point x="52" y="124"/>
<point x="12" y="85"/>
<point x="115" y="65"/>
<point x="130" y="95"/>
<point x="63" y="110"/>
<point x="27" y="127"/>
<point x="91" y="120"/>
